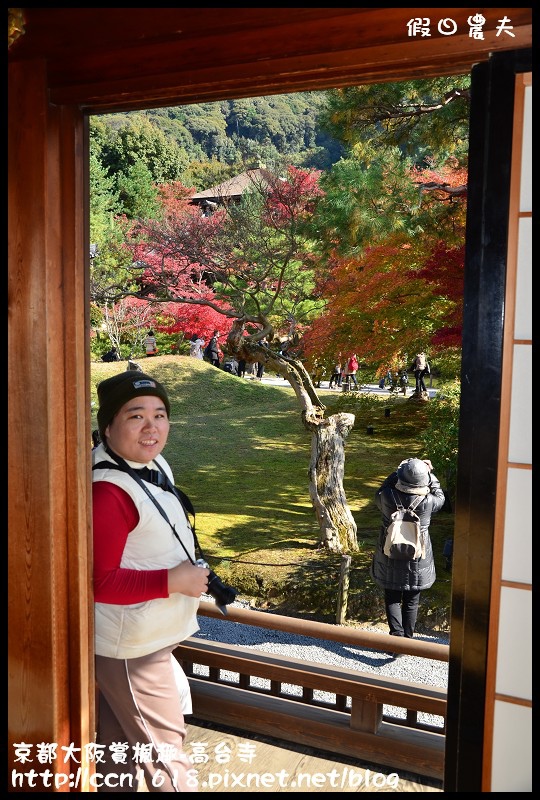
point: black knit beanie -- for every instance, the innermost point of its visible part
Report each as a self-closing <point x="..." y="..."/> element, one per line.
<point x="114" y="392"/>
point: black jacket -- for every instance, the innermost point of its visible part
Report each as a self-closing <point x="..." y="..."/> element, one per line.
<point x="389" y="573"/>
<point x="212" y="350"/>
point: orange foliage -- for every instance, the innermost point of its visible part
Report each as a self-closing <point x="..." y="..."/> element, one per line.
<point x="392" y="299"/>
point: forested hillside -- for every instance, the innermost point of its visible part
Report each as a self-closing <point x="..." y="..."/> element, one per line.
<point x="355" y="247"/>
<point x="203" y="144"/>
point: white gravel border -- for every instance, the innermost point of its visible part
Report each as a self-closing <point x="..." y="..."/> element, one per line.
<point x="323" y="651"/>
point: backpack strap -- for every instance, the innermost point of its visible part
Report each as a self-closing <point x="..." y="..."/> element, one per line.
<point x="416" y="502"/>
<point x="397" y="504"/>
<point x="412" y="506"/>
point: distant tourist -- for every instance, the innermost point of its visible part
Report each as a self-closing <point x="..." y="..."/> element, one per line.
<point x="335" y="377"/>
<point x="350" y="372"/>
<point x="404" y="381"/>
<point x="111" y="355"/>
<point x="150" y="344"/>
<point x="420" y="367"/>
<point x="211" y="351"/>
<point x="231" y="366"/>
<point x="260" y="364"/>
<point x="196" y="346"/>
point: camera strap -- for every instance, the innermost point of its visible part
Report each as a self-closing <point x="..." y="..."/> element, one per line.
<point x="157" y="479"/>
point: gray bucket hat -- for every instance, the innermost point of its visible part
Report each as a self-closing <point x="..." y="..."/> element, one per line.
<point x="413" y="472"/>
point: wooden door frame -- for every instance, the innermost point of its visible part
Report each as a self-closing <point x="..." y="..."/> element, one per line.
<point x="49" y="552"/>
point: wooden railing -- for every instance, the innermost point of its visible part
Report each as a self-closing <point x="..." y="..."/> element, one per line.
<point x="331" y="708"/>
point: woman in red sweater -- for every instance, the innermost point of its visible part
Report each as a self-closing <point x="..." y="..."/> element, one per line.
<point x="146" y="591"/>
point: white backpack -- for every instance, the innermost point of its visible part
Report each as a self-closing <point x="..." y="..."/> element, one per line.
<point x="404" y="540"/>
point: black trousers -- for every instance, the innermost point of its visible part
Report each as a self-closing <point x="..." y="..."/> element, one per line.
<point x="401" y="611"/>
<point x="419" y="377"/>
<point x="335" y="378"/>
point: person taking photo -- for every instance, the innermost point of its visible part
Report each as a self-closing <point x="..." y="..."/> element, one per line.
<point x="404" y="580"/>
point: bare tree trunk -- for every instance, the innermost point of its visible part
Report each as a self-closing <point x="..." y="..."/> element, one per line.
<point x="327" y="465"/>
<point x="326" y="471"/>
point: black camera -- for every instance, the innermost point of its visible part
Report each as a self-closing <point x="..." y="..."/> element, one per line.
<point x="222" y="594"/>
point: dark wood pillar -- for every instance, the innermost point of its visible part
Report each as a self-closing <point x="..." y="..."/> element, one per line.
<point x="51" y="679"/>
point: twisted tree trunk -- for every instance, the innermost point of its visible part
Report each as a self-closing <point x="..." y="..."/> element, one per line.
<point x="326" y="470"/>
<point x="327" y="466"/>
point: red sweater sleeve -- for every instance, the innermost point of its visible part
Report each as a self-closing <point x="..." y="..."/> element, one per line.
<point x="114" y="516"/>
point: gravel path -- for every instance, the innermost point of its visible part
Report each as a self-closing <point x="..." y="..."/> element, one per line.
<point x="306" y="648"/>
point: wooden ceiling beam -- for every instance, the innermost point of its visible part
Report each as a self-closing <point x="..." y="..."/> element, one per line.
<point x="124" y="59"/>
<point x="385" y="63"/>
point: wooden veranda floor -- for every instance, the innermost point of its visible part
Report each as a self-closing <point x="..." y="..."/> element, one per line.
<point x="240" y="761"/>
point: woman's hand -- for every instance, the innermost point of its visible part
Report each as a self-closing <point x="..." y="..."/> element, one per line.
<point x="188" y="579"/>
